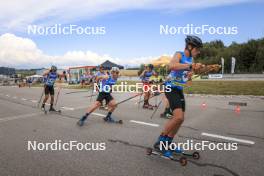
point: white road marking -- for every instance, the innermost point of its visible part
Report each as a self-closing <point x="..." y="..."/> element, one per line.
<point x="101" y="115"/>
<point x="80" y="107"/>
<point x="67" y="108"/>
<point x="144" y="123"/>
<point x="15" y="97"/>
<point x="7" y="95"/>
<point x="34" y="101"/>
<point x="228" y="138"/>
<point x="18" y="117"/>
<point x="23" y="99"/>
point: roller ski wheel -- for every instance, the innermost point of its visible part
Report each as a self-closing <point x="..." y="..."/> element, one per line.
<point x="149" y="151"/>
<point x="150" y="107"/>
<point x="196" y="155"/>
<point x="111" y="120"/>
<point x="183" y="161"/>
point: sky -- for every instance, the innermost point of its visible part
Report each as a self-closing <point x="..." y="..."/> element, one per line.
<point x="129" y="29"/>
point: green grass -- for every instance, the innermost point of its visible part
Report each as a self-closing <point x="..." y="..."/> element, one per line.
<point x="227" y="87"/>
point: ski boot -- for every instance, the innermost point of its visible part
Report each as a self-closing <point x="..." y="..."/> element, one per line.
<point x="81" y="121"/>
<point x="166" y="115"/>
<point x="112" y="120"/>
<point x="156" y="146"/>
<point x="43" y="108"/>
<point x="54" y="110"/>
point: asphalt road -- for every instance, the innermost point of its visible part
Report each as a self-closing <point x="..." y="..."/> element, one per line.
<point x="125" y="145"/>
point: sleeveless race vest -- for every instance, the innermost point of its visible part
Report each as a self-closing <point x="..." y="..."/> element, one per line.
<point x="106" y="84"/>
<point x="51" y="78"/>
<point x="178" y="78"/>
<point x="145" y="78"/>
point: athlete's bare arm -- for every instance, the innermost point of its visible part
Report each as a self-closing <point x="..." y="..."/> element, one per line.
<point x="154" y="73"/>
<point x="46" y="73"/>
<point x="142" y="74"/>
<point x="175" y="63"/>
<point x="101" y="77"/>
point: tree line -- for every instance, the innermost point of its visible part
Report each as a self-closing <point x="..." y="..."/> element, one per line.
<point x="249" y="55"/>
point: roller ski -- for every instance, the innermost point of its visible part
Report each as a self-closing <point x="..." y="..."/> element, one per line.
<point x="167" y="155"/>
<point x="179" y="151"/>
<point x="148" y="106"/>
<point x="111" y="120"/>
<point x="52" y="110"/>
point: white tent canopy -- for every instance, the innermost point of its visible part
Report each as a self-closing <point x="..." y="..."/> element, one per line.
<point x="35" y="76"/>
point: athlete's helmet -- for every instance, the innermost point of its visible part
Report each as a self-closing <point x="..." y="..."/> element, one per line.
<point x="194" y="41"/>
<point x="115" y="69"/>
<point x="150" y="66"/>
<point x="53" y="68"/>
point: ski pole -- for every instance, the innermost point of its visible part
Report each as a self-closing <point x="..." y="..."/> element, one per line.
<point x="139" y="100"/>
<point x="129" y="98"/>
<point x="41" y="97"/>
<point x="57" y="96"/>
<point x="156" y="109"/>
<point x="91" y="95"/>
<point x="76" y="92"/>
<point x="154" y="95"/>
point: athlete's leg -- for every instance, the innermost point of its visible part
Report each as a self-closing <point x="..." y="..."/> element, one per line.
<point x="51" y="89"/>
<point x="146" y="90"/>
<point x="46" y="92"/>
<point x="167" y="110"/>
<point x="94" y="106"/>
<point x="111" y="106"/>
<point x="45" y="100"/>
<point x="173" y="125"/>
<point x="51" y="99"/>
<point x="177" y="104"/>
<point x="146" y="97"/>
